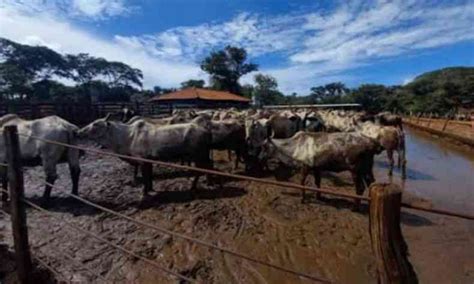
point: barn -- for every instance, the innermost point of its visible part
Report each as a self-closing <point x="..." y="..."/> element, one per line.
<point x="201" y="98"/>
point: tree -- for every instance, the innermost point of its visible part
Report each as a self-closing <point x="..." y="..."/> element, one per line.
<point x="329" y="93"/>
<point x="372" y="97"/>
<point x="225" y="68"/>
<point x="192" y="83"/>
<point x="266" y="90"/>
<point x="161" y="91"/>
<point x="247" y="91"/>
<point x="28" y="72"/>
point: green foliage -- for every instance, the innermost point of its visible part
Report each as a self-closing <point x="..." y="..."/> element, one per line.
<point x="440" y="91"/>
<point x="329" y="93"/>
<point x="266" y="91"/>
<point x="192" y="83"/>
<point x="29" y="73"/>
<point x="226" y="67"/>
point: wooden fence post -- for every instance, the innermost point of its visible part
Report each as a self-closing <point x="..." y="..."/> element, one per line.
<point x="17" y="207"/>
<point x="445" y="124"/>
<point x="429" y="119"/>
<point x="388" y="245"/>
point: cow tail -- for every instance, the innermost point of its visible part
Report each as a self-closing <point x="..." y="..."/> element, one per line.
<point x="401" y="148"/>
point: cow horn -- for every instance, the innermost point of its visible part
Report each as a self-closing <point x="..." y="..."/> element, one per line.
<point x="107" y="117"/>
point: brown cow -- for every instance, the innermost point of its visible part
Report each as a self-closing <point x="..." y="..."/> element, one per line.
<point x="319" y="152"/>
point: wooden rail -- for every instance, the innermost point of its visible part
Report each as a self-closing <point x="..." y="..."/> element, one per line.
<point x="443" y="132"/>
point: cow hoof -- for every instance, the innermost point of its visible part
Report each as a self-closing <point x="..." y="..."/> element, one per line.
<point x="45" y="202"/>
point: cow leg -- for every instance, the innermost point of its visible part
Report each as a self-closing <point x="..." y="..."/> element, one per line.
<point x="237" y="157"/>
<point x="51" y="176"/>
<point x="135" y="174"/>
<point x="304" y="174"/>
<point x="317" y="182"/>
<point x="359" y="185"/>
<point x="390" y="162"/>
<point x="147" y="173"/>
<point x="4" y="178"/>
<point x="74" y="169"/>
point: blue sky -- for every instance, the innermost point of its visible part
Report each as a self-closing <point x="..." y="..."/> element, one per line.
<point x="301" y="43"/>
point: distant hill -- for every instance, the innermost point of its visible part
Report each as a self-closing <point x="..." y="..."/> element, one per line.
<point x="456" y="75"/>
<point x="440" y="90"/>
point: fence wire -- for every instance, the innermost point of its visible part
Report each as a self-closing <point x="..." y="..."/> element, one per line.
<point x="191" y="239"/>
<point x="248" y="178"/>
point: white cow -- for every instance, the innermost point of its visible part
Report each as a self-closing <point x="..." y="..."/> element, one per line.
<point x="35" y="152"/>
<point x="189" y="141"/>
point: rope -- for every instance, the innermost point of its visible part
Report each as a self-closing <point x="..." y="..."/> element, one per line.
<point x="193" y="240"/>
<point x="201" y="170"/>
<point x="122" y="249"/>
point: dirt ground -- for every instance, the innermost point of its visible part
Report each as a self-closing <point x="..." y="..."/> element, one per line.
<point x="323" y="238"/>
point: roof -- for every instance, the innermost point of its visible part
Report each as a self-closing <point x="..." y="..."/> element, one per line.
<point x="203" y="94"/>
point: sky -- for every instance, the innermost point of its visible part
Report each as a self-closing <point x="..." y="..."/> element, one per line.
<point x="301" y="43"/>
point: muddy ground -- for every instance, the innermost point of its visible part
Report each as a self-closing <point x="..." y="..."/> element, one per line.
<point x="323" y="238"/>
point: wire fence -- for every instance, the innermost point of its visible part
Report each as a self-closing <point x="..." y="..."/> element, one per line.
<point x="185" y="237"/>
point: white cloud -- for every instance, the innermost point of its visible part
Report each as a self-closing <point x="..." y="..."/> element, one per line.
<point x="62" y="36"/>
<point x="312" y="47"/>
<point x="314" y="43"/>
<point x="100" y="8"/>
<point x="84" y="9"/>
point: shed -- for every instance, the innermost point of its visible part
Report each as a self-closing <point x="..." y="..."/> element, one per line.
<point x="201" y="98"/>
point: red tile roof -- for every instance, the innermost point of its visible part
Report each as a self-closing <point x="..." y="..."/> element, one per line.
<point x="204" y="94"/>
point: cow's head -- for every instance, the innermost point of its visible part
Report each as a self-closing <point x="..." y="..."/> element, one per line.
<point x="96" y="130"/>
<point x="256" y="132"/>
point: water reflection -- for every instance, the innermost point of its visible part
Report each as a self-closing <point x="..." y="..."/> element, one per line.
<point x="436" y="170"/>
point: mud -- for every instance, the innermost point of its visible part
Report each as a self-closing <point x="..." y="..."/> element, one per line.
<point x="323" y="238"/>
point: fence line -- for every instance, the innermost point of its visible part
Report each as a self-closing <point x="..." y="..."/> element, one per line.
<point x="200" y="170"/>
<point x="248" y="178"/>
<point x="191" y="239"/>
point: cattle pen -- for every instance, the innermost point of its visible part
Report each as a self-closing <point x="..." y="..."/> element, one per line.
<point x="384" y="214"/>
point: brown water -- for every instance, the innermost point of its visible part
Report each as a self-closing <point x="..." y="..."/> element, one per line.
<point x="437" y="170"/>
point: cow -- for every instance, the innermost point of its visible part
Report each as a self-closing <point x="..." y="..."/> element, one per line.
<point x="228" y="134"/>
<point x="284" y="125"/>
<point x="319" y="152"/>
<point x="189" y="141"/>
<point x="35" y="152"/>
<point x="388" y="119"/>
<point x="391" y="138"/>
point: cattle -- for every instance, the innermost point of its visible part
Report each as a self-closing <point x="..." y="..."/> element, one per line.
<point x="391" y="138"/>
<point x="36" y="152"/>
<point x="311" y="121"/>
<point x="284" y="125"/>
<point x="227" y="134"/>
<point x="317" y="152"/>
<point x="189" y="141"/>
<point x="389" y="119"/>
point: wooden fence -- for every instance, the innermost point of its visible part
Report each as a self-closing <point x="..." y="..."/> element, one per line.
<point x="80" y="113"/>
<point x="459" y="130"/>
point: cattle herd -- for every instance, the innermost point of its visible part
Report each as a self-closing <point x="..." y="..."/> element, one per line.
<point x="307" y="140"/>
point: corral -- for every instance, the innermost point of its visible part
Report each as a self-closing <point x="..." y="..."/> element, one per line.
<point x="322" y="238"/>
